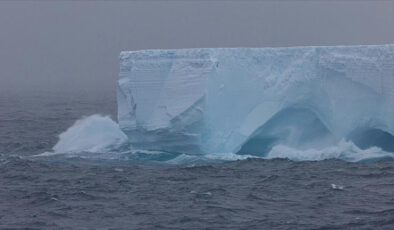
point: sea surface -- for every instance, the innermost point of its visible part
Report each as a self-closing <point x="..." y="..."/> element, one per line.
<point x="82" y="191"/>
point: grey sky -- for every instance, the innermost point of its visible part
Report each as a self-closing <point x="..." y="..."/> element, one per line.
<point x="64" y="45"/>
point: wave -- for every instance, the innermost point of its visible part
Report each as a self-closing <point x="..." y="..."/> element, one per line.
<point x="99" y="137"/>
<point x="95" y="133"/>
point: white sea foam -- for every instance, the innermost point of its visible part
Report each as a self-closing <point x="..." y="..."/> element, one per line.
<point x="344" y="150"/>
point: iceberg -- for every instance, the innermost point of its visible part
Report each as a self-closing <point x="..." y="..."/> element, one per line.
<point x="249" y="100"/>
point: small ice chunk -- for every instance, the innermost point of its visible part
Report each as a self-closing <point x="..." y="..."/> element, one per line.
<point x="336" y="187"/>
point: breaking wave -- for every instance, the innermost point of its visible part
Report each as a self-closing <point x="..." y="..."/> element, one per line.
<point x="94" y="134"/>
<point x="99" y="137"/>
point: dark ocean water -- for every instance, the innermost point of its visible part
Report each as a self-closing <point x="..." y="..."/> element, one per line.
<point x="80" y="193"/>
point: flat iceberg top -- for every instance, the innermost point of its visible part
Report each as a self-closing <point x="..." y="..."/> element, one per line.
<point x="186" y="52"/>
<point x="248" y="100"/>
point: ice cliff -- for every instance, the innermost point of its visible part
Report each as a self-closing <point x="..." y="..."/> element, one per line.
<point x="248" y="100"/>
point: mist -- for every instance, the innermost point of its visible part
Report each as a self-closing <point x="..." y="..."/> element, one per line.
<point x="74" y="46"/>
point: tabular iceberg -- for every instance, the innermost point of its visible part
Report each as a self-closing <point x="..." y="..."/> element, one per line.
<point x="247" y="100"/>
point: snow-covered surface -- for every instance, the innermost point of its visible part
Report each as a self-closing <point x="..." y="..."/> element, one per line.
<point x="225" y="100"/>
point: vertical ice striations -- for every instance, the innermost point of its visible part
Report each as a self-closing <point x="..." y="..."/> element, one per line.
<point x="161" y="98"/>
<point x="247" y="100"/>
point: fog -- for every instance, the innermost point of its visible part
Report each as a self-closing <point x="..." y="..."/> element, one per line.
<point x="74" y="45"/>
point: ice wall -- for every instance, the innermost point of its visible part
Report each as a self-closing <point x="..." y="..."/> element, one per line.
<point x="247" y="100"/>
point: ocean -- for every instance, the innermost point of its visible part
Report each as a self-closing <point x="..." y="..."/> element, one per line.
<point x="136" y="190"/>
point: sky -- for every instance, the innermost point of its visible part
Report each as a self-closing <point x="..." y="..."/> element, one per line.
<point x="66" y="46"/>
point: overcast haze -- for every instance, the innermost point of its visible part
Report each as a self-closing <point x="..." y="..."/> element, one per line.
<point x="62" y="46"/>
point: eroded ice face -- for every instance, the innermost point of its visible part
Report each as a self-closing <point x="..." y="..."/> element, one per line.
<point x="249" y="100"/>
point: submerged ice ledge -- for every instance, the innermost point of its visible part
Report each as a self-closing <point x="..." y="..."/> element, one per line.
<point x="249" y="100"/>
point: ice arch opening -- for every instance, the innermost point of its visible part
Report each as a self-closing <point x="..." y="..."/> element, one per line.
<point x="294" y="127"/>
<point x="368" y="137"/>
